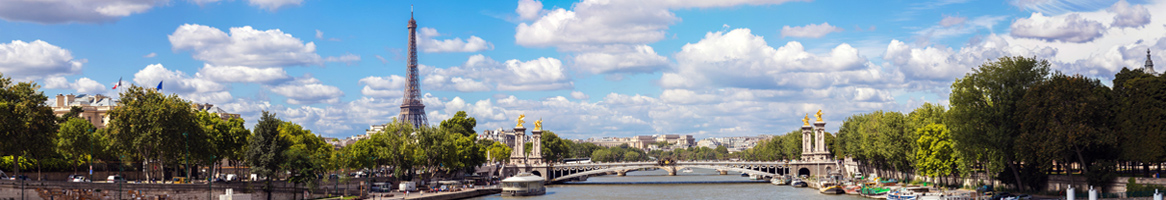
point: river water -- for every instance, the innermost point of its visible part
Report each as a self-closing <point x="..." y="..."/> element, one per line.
<point x="700" y="184"/>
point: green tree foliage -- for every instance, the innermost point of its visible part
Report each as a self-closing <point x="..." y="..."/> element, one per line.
<point x="935" y="155"/>
<point x="1139" y="106"/>
<point x="691" y="153"/>
<point x="26" y="123"/>
<point x="228" y="138"/>
<point x="461" y="124"/>
<point x="149" y="125"/>
<point x="983" y="118"/>
<point x="306" y="154"/>
<point x="76" y="139"/>
<point x="1067" y="119"/>
<point x="265" y="151"/>
<point x="554" y="149"/>
<point x="618" y="154"/>
<point x="499" y="152"/>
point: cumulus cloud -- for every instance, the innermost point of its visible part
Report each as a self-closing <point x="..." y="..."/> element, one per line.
<point x="579" y="95"/>
<point x="621" y="59"/>
<point x="83" y="85"/>
<point x="428" y="44"/>
<point x="58" y="12"/>
<point x="244" y="46"/>
<point x="1064" y="28"/>
<point x="37" y="59"/>
<point x="809" y="31"/>
<point x="1129" y="16"/>
<point x="720" y="58"/>
<point x="308" y="90"/>
<point x="240" y="74"/>
<point x="529" y="9"/>
<point x="384" y="87"/>
<point x="194" y="88"/>
<point x="479" y="73"/>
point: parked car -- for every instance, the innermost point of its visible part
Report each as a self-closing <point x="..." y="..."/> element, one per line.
<point x="115" y="179"/>
<point x="78" y="179"/>
<point x="231" y="178"/>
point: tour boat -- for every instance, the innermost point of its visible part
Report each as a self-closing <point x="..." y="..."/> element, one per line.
<point x="782" y="180"/>
<point x="830" y="188"/>
<point x="524" y="184"/>
<point x="797" y="182"/>
<point x="901" y="194"/>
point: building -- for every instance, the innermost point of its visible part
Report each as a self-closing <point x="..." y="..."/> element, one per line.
<point x="708" y="142"/>
<point x="211" y="108"/>
<point x="1149" y="64"/>
<point x="646" y="141"/>
<point x="412" y="110"/>
<point x="94" y="108"/>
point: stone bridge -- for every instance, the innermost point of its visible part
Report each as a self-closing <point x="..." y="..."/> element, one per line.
<point x="563" y="172"/>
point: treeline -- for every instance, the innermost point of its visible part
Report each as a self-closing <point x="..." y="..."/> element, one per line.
<point x="692" y="153"/>
<point x="1016" y="121"/>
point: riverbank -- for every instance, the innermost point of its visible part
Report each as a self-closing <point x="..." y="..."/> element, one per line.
<point x="467" y="193"/>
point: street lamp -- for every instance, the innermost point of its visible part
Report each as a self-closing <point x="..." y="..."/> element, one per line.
<point x="210" y="182"/>
<point x="121" y="169"/>
<point x="90" y="154"/>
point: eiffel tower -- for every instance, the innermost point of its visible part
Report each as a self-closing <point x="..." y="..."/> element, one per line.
<point x="412" y="111"/>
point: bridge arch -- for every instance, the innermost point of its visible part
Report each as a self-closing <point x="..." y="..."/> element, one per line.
<point x="677" y="167"/>
<point x="804" y="171"/>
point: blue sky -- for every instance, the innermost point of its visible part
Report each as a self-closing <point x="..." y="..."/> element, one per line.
<point x="588" y="68"/>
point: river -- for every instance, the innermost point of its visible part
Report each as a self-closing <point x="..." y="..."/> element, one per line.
<point x="700" y="184"/>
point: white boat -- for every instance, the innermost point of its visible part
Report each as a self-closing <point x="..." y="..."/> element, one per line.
<point x="524" y="184"/>
<point x="686" y="170"/>
<point x="782" y="180"/>
<point x="797" y="182"/>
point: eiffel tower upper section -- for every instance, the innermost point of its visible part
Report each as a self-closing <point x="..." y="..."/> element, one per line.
<point x="412" y="110"/>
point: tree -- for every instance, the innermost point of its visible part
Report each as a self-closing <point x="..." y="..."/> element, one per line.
<point x="228" y="137"/>
<point x="75" y="139"/>
<point x="26" y="123"/>
<point x="1067" y="119"/>
<point x="1139" y="106"/>
<point x="983" y="117"/>
<point x="149" y="125"/>
<point x="305" y="154"/>
<point x="499" y="152"/>
<point x="460" y="123"/>
<point x="935" y="155"/>
<point x="554" y="149"/>
<point x="264" y="150"/>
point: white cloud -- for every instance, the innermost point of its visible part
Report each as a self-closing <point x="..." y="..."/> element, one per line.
<point x="88" y="11"/>
<point x="428" y="44"/>
<point x="809" y="31"/>
<point x="1057" y="7"/>
<point x="1066" y="28"/>
<point x="196" y="89"/>
<point x="273" y="5"/>
<point x="479" y="72"/>
<point x="83" y="85"/>
<point x="384" y="87"/>
<point x="579" y="95"/>
<point x="1129" y="16"/>
<point x="529" y="9"/>
<point x="241" y="74"/>
<point x="599" y="22"/>
<point x="308" y="90"/>
<point x="244" y="46"/>
<point x="720" y="58"/>
<point x="37" y="59"/>
<point x="320" y="36"/>
<point x="151" y="55"/>
<point x="618" y="59"/>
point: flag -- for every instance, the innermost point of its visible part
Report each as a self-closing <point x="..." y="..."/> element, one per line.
<point x="118" y="83"/>
<point x="159" y="86"/>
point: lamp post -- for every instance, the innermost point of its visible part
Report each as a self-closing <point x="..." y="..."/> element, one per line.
<point x="90" y="154"/>
<point x="185" y="137"/>
<point x="121" y="168"/>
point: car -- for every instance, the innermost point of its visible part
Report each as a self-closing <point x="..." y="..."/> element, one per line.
<point x="115" y="179"/>
<point x="78" y="179"/>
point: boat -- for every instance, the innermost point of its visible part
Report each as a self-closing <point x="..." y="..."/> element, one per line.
<point x="888" y="182"/>
<point x="852" y="189"/>
<point x="782" y="180"/>
<point x="754" y="177"/>
<point x="830" y="188"/>
<point x="686" y="170"/>
<point x="901" y="194"/>
<point x="797" y="182"/>
<point x="524" y="184"/>
<point x="870" y="191"/>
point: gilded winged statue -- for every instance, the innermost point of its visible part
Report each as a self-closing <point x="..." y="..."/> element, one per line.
<point x="538" y="124"/>
<point x="806" y="121"/>
<point x="521" y="120"/>
<point x="819" y="116"/>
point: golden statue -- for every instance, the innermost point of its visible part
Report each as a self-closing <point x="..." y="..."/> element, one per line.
<point x="520" y="120"/>
<point x="819" y="115"/>
<point x="806" y="121"/>
<point x="538" y="124"/>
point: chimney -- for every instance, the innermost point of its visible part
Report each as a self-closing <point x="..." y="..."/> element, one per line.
<point x="69" y="99"/>
<point x="60" y="100"/>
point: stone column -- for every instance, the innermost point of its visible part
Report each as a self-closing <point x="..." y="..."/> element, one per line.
<point x="807" y="147"/>
<point x="820" y="138"/>
<point x="516" y="156"/>
<point x="536" y="146"/>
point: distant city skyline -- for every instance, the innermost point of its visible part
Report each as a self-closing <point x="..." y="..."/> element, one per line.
<point x="590" y="69"/>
